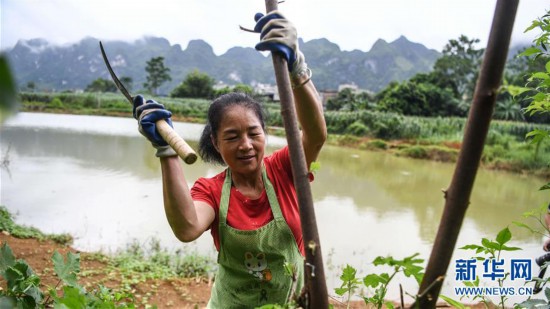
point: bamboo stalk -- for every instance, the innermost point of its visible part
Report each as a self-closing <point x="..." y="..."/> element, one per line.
<point x="458" y="195"/>
<point x="315" y="284"/>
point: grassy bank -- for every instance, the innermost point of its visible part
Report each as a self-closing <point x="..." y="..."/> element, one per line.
<point x="138" y="272"/>
<point x="416" y="137"/>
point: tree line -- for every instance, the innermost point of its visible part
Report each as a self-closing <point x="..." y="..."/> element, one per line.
<point x="446" y="91"/>
<point x="195" y="85"/>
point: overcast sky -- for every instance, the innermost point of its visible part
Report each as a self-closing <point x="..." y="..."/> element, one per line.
<point x="352" y="24"/>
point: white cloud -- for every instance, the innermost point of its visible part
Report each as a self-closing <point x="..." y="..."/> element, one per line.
<point x="352" y="24"/>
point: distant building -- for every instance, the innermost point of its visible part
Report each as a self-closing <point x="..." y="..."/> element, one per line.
<point x="351" y="86"/>
<point x="267" y="90"/>
<point x="326" y="95"/>
<point x="220" y="85"/>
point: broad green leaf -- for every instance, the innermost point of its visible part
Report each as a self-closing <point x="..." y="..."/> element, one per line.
<point x="453" y="302"/>
<point x="35" y="293"/>
<point x="418" y="277"/>
<point x="506" y="248"/>
<point x="471" y="247"/>
<point x="547" y="66"/>
<point x="7" y="259"/>
<point x="533" y="303"/>
<point x="504" y="236"/>
<point x="67" y="271"/>
<point x="27" y="302"/>
<point x="523" y="225"/>
<point x="534" y="24"/>
<point x="540" y="75"/>
<point x="8" y="93"/>
<point x="372" y="280"/>
<point x="537" y="136"/>
<point x="516" y="90"/>
<point x="380" y="260"/>
<point x="490" y="244"/>
<point x="72" y="298"/>
<point x="348" y="274"/>
<point x="13" y="276"/>
<point x="341" y="291"/>
<point x="529" y="51"/>
<point x="8" y="302"/>
<point x="529" y="213"/>
<point x="539" y="97"/>
<point x="314" y="166"/>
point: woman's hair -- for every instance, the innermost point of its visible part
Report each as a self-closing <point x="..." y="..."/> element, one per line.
<point x="216" y="111"/>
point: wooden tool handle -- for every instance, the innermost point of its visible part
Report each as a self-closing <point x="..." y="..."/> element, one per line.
<point x="176" y="142"/>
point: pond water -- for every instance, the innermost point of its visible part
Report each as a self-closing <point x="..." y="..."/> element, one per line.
<point x="97" y="179"/>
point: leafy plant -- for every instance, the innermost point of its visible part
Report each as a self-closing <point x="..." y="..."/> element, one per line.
<point x="350" y="283"/>
<point x="538" y="82"/>
<point x="8" y="97"/>
<point x="23" y="286"/>
<point x="491" y="250"/>
<point x="409" y="267"/>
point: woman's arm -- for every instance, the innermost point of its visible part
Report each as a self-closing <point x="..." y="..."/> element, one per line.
<point x="188" y="219"/>
<point x="309" y="110"/>
<point x="279" y="35"/>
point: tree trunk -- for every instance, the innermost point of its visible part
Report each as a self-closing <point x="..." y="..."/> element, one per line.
<point x="315" y="283"/>
<point x="457" y="197"/>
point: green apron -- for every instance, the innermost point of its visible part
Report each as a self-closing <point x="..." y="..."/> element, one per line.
<point x="251" y="263"/>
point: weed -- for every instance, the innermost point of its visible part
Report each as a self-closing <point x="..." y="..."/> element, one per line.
<point x="488" y="251"/>
<point x="409" y="266"/>
<point x="23" y="286"/>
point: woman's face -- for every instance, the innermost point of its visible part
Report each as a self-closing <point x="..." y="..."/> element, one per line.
<point x="241" y="140"/>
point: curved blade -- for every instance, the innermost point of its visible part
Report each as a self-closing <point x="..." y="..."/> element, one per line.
<point x="118" y="84"/>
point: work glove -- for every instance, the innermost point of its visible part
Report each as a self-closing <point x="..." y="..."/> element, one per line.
<point x="147" y="114"/>
<point x="278" y="34"/>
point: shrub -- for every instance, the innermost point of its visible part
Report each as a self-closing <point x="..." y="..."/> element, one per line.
<point x="377" y="144"/>
<point x="357" y="128"/>
<point x="56" y="104"/>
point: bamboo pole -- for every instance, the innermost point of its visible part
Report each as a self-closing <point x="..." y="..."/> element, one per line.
<point x="314" y="281"/>
<point x="458" y="195"/>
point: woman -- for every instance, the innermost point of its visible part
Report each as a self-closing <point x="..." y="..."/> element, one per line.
<point x="251" y="207"/>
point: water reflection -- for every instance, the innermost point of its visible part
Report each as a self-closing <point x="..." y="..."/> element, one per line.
<point x="381" y="183"/>
<point x="98" y="179"/>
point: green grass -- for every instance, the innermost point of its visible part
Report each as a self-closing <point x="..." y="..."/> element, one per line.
<point x="136" y="263"/>
<point x="505" y="146"/>
<point x="20" y="231"/>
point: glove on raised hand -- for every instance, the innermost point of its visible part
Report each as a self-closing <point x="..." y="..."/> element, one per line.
<point x="147" y="114"/>
<point x="278" y="34"/>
